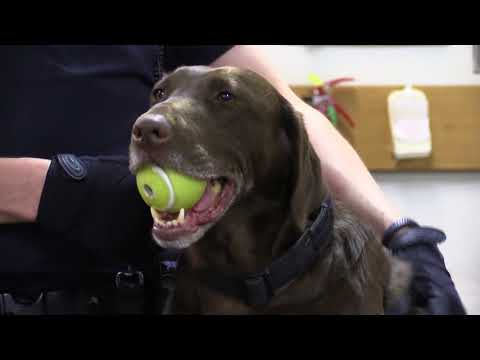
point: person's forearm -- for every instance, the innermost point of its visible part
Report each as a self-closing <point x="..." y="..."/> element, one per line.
<point x="7" y="219"/>
<point x="345" y="173"/>
<point x="21" y="185"/>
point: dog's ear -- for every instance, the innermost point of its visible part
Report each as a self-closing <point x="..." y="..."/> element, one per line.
<point x="306" y="186"/>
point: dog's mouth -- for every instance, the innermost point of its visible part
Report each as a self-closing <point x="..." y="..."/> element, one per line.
<point x="169" y="227"/>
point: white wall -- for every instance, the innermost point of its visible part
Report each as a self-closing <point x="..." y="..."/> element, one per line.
<point x="450" y="201"/>
<point x="377" y="65"/>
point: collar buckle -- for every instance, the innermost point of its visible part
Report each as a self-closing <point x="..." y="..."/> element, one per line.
<point x="259" y="289"/>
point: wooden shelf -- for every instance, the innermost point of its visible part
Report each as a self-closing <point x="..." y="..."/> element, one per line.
<point x="454" y="121"/>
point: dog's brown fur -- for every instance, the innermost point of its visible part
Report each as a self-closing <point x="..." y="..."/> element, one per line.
<point x="261" y="142"/>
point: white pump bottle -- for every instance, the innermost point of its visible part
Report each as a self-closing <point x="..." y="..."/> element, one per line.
<point x="409" y="123"/>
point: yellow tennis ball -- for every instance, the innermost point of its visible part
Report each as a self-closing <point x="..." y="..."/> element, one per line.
<point x="168" y="190"/>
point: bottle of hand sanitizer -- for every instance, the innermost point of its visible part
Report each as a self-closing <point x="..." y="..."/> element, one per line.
<point x="409" y="123"/>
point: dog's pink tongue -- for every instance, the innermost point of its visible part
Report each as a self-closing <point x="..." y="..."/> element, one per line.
<point x="206" y="201"/>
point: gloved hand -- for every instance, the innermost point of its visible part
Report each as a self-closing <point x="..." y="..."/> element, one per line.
<point x="432" y="290"/>
<point x="94" y="202"/>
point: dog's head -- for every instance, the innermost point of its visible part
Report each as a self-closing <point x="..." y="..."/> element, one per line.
<point x="231" y="127"/>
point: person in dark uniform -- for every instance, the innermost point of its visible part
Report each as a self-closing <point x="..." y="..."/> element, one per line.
<point x="74" y="233"/>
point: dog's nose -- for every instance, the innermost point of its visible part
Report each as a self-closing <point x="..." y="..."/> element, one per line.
<point x="151" y="130"/>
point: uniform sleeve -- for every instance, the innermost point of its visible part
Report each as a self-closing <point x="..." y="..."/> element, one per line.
<point x="176" y="56"/>
<point x="94" y="202"/>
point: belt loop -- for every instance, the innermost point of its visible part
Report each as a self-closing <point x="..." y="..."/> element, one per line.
<point x="130" y="279"/>
<point x="13" y="306"/>
<point x="129" y="297"/>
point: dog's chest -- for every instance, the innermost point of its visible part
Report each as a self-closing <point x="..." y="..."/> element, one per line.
<point x="316" y="292"/>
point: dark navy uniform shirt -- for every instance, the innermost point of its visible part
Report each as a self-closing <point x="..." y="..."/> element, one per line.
<point x="77" y="99"/>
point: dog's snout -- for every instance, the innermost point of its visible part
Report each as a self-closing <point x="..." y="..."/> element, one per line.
<point x="151" y="130"/>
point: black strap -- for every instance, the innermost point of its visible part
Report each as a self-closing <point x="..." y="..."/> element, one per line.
<point x="167" y="263"/>
<point x="258" y="289"/>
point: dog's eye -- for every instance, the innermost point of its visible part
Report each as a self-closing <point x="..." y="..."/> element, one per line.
<point x="225" y="96"/>
<point x="159" y="93"/>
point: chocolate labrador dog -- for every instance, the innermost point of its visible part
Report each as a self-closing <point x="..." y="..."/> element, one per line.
<point x="231" y="127"/>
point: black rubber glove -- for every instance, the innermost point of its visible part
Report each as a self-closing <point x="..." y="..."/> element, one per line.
<point x="95" y="202"/>
<point x="432" y="290"/>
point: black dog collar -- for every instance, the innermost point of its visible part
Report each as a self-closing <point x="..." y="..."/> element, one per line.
<point x="258" y="289"/>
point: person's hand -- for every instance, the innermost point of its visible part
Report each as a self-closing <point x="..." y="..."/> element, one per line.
<point x="432" y="291"/>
